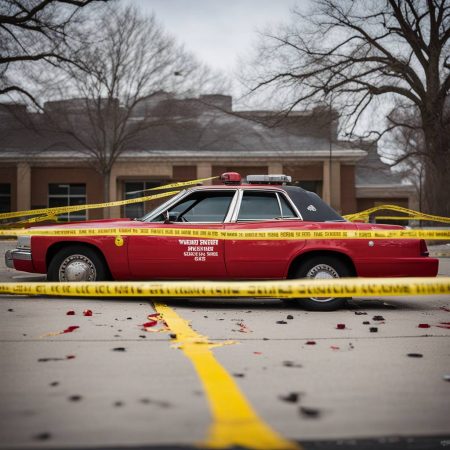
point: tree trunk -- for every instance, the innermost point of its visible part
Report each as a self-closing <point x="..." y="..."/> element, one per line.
<point x="437" y="169"/>
<point x="106" y="198"/>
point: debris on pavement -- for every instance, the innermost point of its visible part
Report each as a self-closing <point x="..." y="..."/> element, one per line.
<point x="334" y="347"/>
<point x="444" y="308"/>
<point x="292" y="397"/>
<point x="446" y="377"/>
<point x="340" y="326"/>
<point x="119" y="349"/>
<point x="445" y="325"/>
<point x="71" y="328"/>
<point x="10" y="310"/>
<point x="360" y="313"/>
<point x="54" y="383"/>
<point x="243" y="328"/>
<point x="415" y="355"/>
<point x="281" y="322"/>
<point x="75" y="398"/>
<point x="310" y="342"/>
<point x="373" y="329"/>
<point x="291" y="364"/>
<point x="289" y="317"/>
<point x="378" y="318"/>
<point x="42" y="436"/>
<point x="239" y="375"/>
<point x="87" y="313"/>
<point x="366" y="322"/>
<point x="423" y="325"/>
<point x="312" y="413"/>
<point x="71" y="312"/>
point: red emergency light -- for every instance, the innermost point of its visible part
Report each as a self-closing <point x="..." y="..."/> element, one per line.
<point x="230" y="178"/>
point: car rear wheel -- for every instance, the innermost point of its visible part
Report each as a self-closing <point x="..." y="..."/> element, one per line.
<point x="322" y="267"/>
<point x="77" y="263"/>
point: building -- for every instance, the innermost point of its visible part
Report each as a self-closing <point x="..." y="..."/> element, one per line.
<point x="44" y="161"/>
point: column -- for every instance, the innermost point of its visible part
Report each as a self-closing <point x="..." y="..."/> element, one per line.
<point x="335" y="193"/>
<point x="114" y="211"/>
<point x="204" y="170"/>
<point x="23" y="186"/>
<point x="326" y="188"/>
<point x="275" y="169"/>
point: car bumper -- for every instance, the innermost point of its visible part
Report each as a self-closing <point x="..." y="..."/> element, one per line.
<point x="19" y="259"/>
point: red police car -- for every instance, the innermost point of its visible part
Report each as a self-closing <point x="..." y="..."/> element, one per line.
<point x="265" y="203"/>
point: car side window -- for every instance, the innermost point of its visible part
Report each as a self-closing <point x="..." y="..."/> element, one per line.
<point x="286" y="209"/>
<point x="259" y="206"/>
<point x="203" y="207"/>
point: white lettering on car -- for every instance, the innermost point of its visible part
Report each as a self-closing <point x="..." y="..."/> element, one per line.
<point x="199" y="249"/>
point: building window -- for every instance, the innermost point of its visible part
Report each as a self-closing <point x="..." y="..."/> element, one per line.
<point x="68" y="195"/>
<point x="133" y="189"/>
<point x="5" y="197"/>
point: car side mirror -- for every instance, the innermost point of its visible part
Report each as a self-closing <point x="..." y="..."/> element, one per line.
<point x="170" y="216"/>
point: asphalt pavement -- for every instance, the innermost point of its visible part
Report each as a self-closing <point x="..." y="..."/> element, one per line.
<point x="127" y="378"/>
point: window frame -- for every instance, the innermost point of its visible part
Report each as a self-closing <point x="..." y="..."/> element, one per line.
<point x="277" y="192"/>
<point x="148" y="218"/>
<point x="69" y="216"/>
<point x="7" y="196"/>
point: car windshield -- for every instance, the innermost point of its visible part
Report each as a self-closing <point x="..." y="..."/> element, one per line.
<point x="159" y="209"/>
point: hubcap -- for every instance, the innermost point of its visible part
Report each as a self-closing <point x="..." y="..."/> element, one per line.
<point x="322" y="271"/>
<point x="77" y="268"/>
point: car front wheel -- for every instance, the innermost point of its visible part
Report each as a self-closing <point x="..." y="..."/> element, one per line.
<point x="76" y="263"/>
<point x="322" y="267"/>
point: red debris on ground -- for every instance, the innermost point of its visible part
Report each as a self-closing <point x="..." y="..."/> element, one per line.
<point x="444" y="308"/>
<point x="150" y="324"/>
<point x="87" y="312"/>
<point x="334" y="347"/>
<point x="71" y="312"/>
<point x="70" y="357"/>
<point x="340" y="326"/>
<point x="71" y="328"/>
<point x="243" y="328"/>
<point x="423" y="325"/>
<point x="445" y="325"/>
<point x="310" y="342"/>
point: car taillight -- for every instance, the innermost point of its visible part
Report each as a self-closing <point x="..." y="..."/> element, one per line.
<point x="423" y="248"/>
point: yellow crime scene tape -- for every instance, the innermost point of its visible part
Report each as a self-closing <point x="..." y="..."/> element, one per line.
<point x="232" y="234"/>
<point x="410" y="214"/>
<point x="51" y="212"/>
<point x="301" y="288"/>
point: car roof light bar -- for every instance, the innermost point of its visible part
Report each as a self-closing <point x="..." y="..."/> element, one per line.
<point x="268" y="179"/>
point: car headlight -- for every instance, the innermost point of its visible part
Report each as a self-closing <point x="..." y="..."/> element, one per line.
<point x="24" y="242"/>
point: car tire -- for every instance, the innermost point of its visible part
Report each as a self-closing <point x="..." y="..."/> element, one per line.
<point x="322" y="267"/>
<point x="77" y="263"/>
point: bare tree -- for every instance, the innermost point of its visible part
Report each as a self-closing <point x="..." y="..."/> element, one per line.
<point x="364" y="51"/>
<point x="126" y="71"/>
<point x="35" y="31"/>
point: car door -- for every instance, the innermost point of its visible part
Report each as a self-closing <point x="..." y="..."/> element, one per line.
<point x="262" y="210"/>
<point x="184" y="257"/>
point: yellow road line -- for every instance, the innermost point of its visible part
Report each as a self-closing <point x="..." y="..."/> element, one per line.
<point x="235" y="423"/>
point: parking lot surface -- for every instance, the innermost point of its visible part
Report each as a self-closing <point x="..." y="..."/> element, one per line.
<point x="373" y="375"/>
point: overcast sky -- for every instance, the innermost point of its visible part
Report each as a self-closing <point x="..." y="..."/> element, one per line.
<point x="217" y="31"/>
